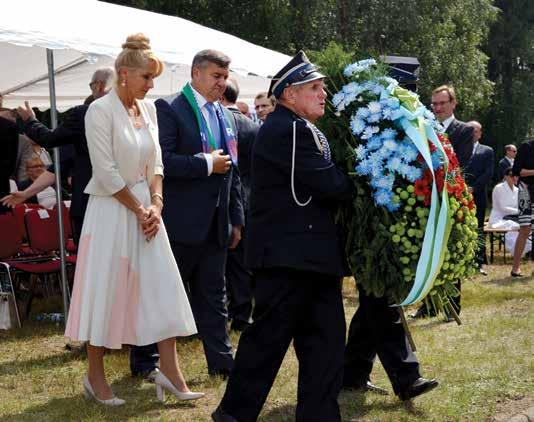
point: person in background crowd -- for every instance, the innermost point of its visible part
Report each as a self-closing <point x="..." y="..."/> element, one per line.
<point x="24" y="150"/>
<point x="264" y="104"/>
<point x="46" y="197"/>
<point x="461" y="137"/>
<point x="203" y="209"/>
<point x="238" y="277"/>
<point x="504" y="212"/>
<point x="9" y="145"/>
<point x="478" y="174"/>
<point x="127" y="287"/>
<point x="460" y="134"/>
<point x="295" y="253"/>
<point x="524" y="168"/>
<point x="508" y="160"/>
<point x="243" y="108"/>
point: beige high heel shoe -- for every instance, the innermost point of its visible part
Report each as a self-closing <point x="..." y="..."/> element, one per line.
<point x="90" y="395"/>
<point x="163" y="383"/>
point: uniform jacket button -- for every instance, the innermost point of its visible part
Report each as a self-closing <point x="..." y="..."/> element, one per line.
<point x="310" y="227"/>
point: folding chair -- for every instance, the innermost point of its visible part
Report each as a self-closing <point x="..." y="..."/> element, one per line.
<point x="9" y="246"/>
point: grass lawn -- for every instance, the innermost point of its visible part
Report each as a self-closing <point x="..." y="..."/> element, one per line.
<point x="483" y="365"/>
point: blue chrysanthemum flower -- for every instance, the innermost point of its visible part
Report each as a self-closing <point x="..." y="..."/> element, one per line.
<point x="384" y="181"/>
<point x="388" y="133"/>
<point x="393" y="102"/>
<point x="362" y="113"/>
<point x="394" y="164"/>
<point x="361" y="152"/>
<point x="370" y="131"/>
<point x="390" y="144"/>
<point x="386" y="113"/>
<point x="363" y="168"/>
<point x="392" y="207"/>
<point x="374" y="142"/>
<point x="338" y="98"/>
<point x="357" y="125"/>
<point x="374" y="118"/>
<point x="413" y="174"/>
<point x="383" y="197"/>
<point x="410" y="154"/>
<point x="374" y="107"/>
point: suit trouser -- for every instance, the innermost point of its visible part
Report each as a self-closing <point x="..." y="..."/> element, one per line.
<point x="202" y="269"/>
<point x="239" y="284"/>
<point x="376" y="329"/>
<point x="307" y="308"/>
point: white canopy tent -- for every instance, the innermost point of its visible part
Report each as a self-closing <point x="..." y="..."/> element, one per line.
<point x="87" y="34"/>
<point x="50" y="49"/>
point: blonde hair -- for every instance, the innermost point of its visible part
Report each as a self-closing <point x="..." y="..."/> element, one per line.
<point x="136" y="54"/>
<point x="34" y="162"/>
<point x="448" y="89"/>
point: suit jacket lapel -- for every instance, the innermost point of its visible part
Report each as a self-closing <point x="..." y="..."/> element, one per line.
<point x="193" y="118"/>
<point x="451" y="127"/>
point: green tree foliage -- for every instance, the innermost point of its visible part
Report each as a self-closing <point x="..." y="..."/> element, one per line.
<point x="510" y="119"/>
<point x="482" y="47"/>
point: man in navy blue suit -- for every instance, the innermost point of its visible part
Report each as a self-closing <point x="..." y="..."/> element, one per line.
<point x="203" y="212"/>
<point x="478" y="174"/>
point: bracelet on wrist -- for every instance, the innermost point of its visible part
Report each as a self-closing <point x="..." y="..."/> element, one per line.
<point x="158" y="196"/>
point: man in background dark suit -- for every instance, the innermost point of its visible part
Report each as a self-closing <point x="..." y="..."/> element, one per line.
<point x="460" y="134"/>
<point x="507" y="161"/>
<point x="461" y="137"/>
<point x="203" y="212"/>
<point x="478" y="174"/>
<point x="238" y="276"/>
<point x="9" y="137"/>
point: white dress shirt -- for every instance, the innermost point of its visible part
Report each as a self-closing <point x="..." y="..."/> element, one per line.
<point x="445" y="123"/>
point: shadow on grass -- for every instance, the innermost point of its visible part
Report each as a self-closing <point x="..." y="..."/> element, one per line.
<point x="30" y="330"/>
<point x="353" y="406"/>
<point x="139" y="402"/>
<point x="47" y="362"/>
<point x="509" y="281"/>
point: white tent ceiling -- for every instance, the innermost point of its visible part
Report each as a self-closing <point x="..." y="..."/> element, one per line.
<point x="87" y="34"/>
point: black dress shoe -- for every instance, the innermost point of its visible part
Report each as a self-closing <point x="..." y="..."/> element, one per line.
<point x="367" y="387"/>
<point x="220" y="416"/>
<point x="516" y="274"/>
<point x="482" y="271"/>
<point x="420" y="386"/>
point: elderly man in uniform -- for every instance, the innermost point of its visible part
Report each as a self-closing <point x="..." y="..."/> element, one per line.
<point x="295" y="253"/>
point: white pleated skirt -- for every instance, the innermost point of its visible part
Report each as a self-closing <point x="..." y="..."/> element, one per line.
<point x="126" y="290"/>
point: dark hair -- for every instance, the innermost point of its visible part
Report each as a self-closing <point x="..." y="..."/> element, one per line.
<point x="261" y="95"/>
<point x="231" y="92"/>
<point x="509" y="172"/>
<point x="210" y="56"/>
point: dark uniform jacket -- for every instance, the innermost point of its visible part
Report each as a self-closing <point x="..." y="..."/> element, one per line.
<point x="70" y="131"/>
<point x="479" y="172"/>
<point x="282" y="233"/>
<point x="191" y="196"/>
<point x="461" y="137"/>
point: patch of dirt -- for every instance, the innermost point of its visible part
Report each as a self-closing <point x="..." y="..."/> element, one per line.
<point x="508" y="408"/>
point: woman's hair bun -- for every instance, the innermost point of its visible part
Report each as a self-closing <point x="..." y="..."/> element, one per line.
<point x="137" y="42"/>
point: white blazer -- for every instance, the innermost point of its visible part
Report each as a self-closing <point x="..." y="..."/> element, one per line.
<point x="113" y="145"/>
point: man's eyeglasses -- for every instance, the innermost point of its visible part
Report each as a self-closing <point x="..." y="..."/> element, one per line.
<point x="440" y="103"/>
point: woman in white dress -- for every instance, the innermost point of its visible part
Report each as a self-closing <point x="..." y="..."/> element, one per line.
<point x="127" y="287"/>
<point x="504" y="211"/>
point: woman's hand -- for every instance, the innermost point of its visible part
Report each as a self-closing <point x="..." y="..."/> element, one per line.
<point x="13" y="199"/>
<point x="142" y="215"/>
<point x="153" y="221"/>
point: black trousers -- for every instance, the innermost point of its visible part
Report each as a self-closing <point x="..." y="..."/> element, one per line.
<point x="291" y="305"/>
<point x="376" y="329"/>
<point x="202" y="269"/>
<point x="239" y="284"/>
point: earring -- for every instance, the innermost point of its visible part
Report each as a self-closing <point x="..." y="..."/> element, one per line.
<point x="123" y="82"/>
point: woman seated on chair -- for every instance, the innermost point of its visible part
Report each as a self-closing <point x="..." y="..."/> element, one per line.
<point x="504" y="212"/>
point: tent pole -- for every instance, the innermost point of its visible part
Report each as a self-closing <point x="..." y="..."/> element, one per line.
<point x="57" y="167"/>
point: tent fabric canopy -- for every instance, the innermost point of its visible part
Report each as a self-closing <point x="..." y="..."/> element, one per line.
<point x="87" y="34"/>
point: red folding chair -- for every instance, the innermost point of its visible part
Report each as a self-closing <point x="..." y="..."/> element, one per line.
<point x="9" y="246"/>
